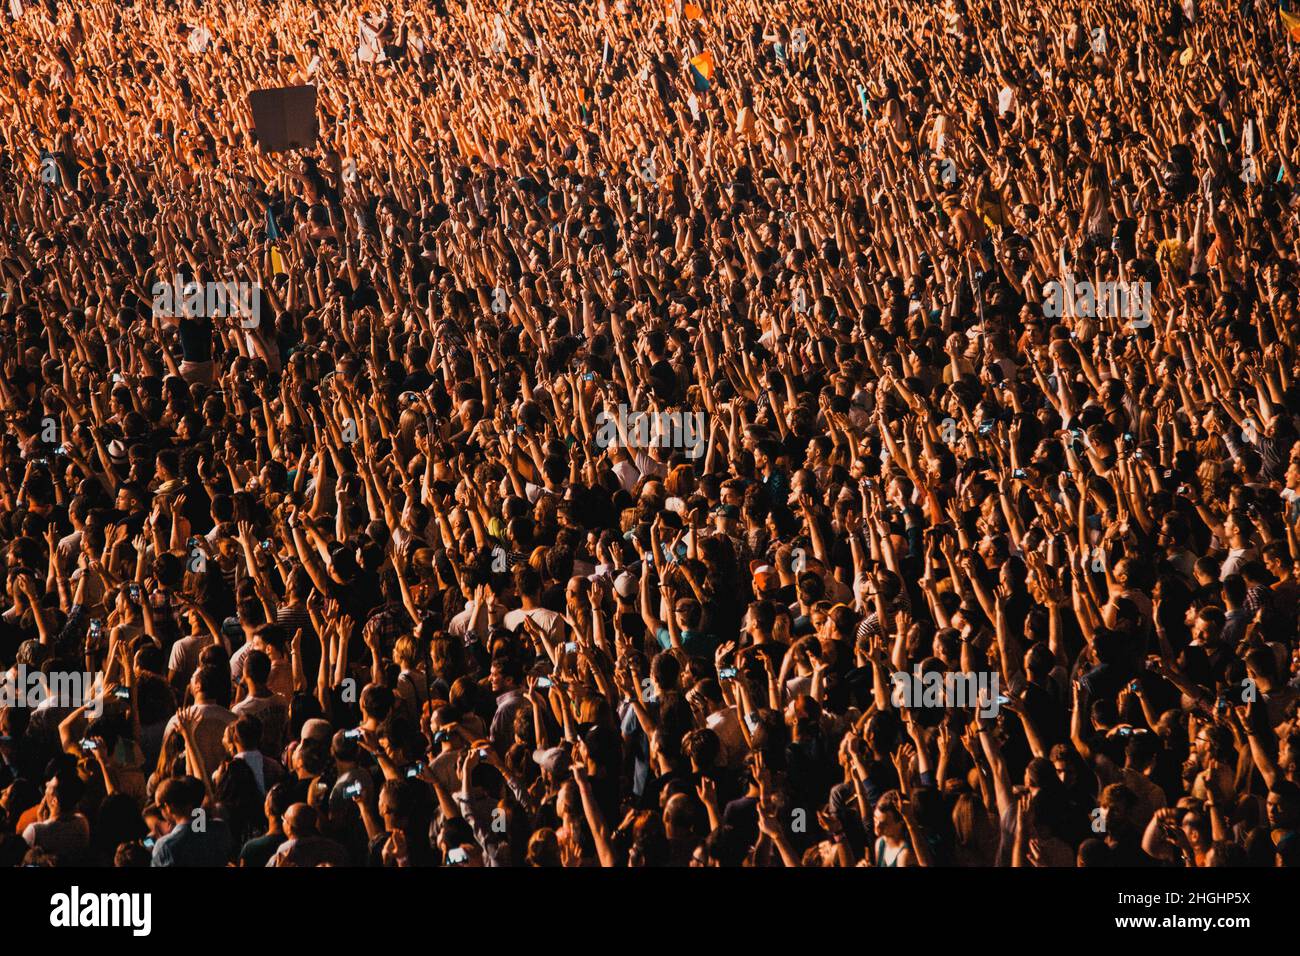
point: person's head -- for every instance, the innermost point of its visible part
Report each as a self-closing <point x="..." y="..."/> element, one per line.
<point x="62" y="793"/>
<point x="248" y="732"/>
<point x="679" y="816"/>
<point x="1118" y="804"/>
<point x="257" y="669"/>
<point x="544" y="848"/>
<point x="888" y="816"/>
<point x="209" y="684"/>
<point x="1284" y="805"/>
<point x="1093" y="852"/>
<point x="665" y="673"/>
<point x="1234" y="591"/>
<point x="760" y="619"/>
<point x="278" y="800"/>
<point x="376" y="703"/>
<point x="300" y="821"/>
<point x="506" y="674"/>
<point x="179" y="797"/>
<point x="723" y="847"/>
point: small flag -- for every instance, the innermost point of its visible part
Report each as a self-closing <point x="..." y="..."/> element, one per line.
<point x="702" y="70"/>
<point x="692" y="12"/>
<point x="862" y="98"/>
<point x="584" y="108"/>
<point x="273" y="234"/>
<point x="1290" y="19"/>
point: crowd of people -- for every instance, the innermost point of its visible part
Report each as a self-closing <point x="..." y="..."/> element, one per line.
<point x="381" y="576"/>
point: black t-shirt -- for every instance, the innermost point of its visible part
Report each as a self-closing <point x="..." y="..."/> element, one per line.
<point x="196" y="339"/>
<point x="259" y="850"/>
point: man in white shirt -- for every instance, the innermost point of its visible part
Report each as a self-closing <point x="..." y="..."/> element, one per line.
<point x="528" y="585"/>
<point x="210" y="718"/>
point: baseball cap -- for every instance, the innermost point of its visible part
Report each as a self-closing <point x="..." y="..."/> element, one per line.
<point x="625" y="585"/>
<point x="317" y="729"/>
<point x="554" y="760"/>
<point x="765" y="577"/>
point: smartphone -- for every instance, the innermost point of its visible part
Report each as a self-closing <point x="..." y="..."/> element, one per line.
<point x="352" y="789"/>
<point x="986" y="427"/>
<point x="149" y="843"/>
<point x="519" y="429"/>
<point x="571" y="647"/>
<point x="544" y="682"/>
<point x="727" y="673"/>
<point x="647" y="558"/>
<point x="1134" y="686"/>
<point x="122" y="693"/>
<point x="134" y="591"/>
<point x="589" y="377"/>
<point x="1003" y="700"/>
<point x="482" y="753"/>
<point x="88" y="745"/>
<point x="96" y="627"/>
<point x="353" y="734"/>
<point x="1018" y="473"/>
<point x="414" y="771"/>
<point x="266" y="544"/>
<point x="457" y="856"/>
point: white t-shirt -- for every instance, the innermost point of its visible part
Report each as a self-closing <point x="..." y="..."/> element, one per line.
<point x="550" y="623"/>
<point x="211" y="726"/>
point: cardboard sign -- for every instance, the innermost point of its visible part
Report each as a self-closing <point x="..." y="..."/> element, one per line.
<point x="284" y="118"/>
